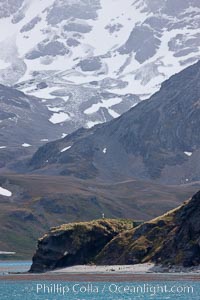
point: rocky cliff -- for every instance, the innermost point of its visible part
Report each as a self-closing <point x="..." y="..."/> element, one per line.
<point x="172" y="239"/>
<point x="75" y="243"/>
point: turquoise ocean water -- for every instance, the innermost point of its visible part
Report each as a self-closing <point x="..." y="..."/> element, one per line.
<point x="14" y="266"/>
<point x="54" y="290"/>
<point x="96" y="291"/>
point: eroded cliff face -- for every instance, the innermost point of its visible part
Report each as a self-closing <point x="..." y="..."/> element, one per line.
<point x="172" y="239"/>
<point x="75" y="243"/>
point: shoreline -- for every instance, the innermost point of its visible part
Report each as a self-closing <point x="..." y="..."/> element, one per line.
<point x="75" y="277"/>
<point x="117" y="273"/>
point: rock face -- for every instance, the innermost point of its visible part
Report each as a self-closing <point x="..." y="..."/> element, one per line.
<point x="26" y="121"/>
<point x="172" y="239"/>
<point x="159" y="139"/>
<point x="75" y="243"/>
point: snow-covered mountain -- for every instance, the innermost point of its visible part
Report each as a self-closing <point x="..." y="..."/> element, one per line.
<point x="94" y="59"/>
<point x="25" y="124"/>
<point x="159" y="140"/>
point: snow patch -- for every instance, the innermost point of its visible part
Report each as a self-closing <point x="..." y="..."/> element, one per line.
<point x="64" y="135"/>
<point x="3" y="64"/>
<point x="121" y="11"/>
<point x="65" y="149"/>
<point x="59" y="118"/>
<point x="5" y="192"/>
<point x="44" y="140"/>
<point x="104" y="150"/>
<point x="7" y="253"/>
<point x="25" y="145"/>
<point x="103" y="104"/>
<point x="55" y="109"/>
<point x="91" y="124"/>
<point x="188" y="153"/>
<point x="41" y="93"/>
<point x="113" y="113"/>
<point x="3" y="147"/>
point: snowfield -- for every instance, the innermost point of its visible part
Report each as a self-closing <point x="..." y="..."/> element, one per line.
<point x="59" y="118"/>
<point x="65" y="149"/>
<point x="5" y="192"/>
<point x="120" y="47"/>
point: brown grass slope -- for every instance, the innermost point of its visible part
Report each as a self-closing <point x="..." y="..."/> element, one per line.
<point x="41" y="202"/>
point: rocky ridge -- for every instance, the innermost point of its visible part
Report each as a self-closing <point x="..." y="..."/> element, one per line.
<point x="25" y="124"/>
<point x="158" y="140"/>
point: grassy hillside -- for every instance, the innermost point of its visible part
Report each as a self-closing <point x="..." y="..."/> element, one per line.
<point x="171" y="239"/>
<point x="41" y="202"/>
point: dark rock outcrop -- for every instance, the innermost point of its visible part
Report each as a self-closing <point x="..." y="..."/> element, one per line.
<point x="75" y="243"/>
<point x="172" y="239"/>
